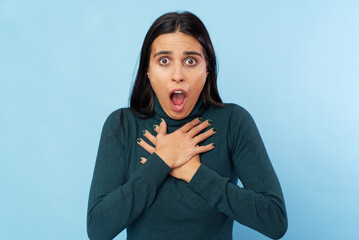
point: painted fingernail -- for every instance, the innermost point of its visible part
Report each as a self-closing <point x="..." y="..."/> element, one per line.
<point x="209" y="121"/>
<point x="140" y="159"/>
<point x="214" y="129"/>
<point x="154" y="127"/>
<point x="161" y="120"/>
<point x="138" y="140"/>
<point x="143" y="132"/>
<point x="213" y="144"/>
<point x="200" y="119"/>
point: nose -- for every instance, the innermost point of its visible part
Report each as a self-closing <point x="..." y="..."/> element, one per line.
<point x="177" y="74"/>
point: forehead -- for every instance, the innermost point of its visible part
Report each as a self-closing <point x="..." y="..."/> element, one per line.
<point x="175" y="42"/>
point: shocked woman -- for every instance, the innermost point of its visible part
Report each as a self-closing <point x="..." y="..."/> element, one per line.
<point x="168" y="166"/>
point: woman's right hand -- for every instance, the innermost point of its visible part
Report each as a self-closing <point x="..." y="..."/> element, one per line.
<point x="176" y="148"/>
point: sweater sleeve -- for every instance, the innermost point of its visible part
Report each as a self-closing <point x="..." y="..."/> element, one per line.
<point x="259" y="204"/>
<point x="114" y="202"/>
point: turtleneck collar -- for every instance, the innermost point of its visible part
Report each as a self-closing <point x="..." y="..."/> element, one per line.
<point x="197" y="111"/>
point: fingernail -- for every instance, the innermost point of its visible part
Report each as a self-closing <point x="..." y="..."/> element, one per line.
<point x="138" y="140"/>
<point x="214" y="129"/>
<point x="209" y="121"/>
<point x="143" y="132"/>
<point x="140" y="159"/>
<point x="200" y="119"/>
<point x="213" y="144"/>
<point x="154" y="127"/>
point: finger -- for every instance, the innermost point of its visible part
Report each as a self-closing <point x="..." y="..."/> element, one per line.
<point x="201" y="137"/>
<point x="197" y="129"/>
<point x="206" y="148"/>
<point x="145" y="145"/>
<point x="188" y="126"/>
<point x="163" y="127"/>
<point x="143" y="160"/>
<point x="149" y="136"/>
<point x="156" y="128"/>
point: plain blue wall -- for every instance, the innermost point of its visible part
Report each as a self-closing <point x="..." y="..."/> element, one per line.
<point x="66" y="65"/>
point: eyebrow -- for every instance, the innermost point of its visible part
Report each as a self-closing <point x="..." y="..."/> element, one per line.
<point x="170" y="52"/>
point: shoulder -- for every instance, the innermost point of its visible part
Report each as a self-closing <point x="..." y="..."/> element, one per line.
<point x="239" y="112"/>
<point x="114" y="117"/>
<point x="115" y="125"/>
<point x="118" y="115"/>
<point x="236" y="108"/>
<point x="238" y="117"/>
<point x="232" y="111"/>
<point x="116" y="120"/>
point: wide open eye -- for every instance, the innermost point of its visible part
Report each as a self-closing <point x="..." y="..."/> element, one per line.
<point x="164" y="61"/>
<point x="190" y="61"/>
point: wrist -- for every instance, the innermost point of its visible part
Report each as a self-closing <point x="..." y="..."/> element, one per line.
<point x="191" y="171"/>
<point x="165" y="159"/>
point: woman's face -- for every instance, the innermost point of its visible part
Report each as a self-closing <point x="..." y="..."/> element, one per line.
<point x="177" y="72"/>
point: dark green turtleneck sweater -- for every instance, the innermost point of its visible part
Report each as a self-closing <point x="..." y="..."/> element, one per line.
<point x="151" y="204"/>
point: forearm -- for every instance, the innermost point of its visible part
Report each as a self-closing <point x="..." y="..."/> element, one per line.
<point x="263" y="211"/>
<point x="188" y="170"/>
<point x="110" y="213"/>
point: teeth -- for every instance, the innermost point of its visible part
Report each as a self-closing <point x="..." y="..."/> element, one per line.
<point x="177" y="91"/>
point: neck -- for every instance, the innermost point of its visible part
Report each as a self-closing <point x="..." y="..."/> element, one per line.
<point x="197" y="111"/>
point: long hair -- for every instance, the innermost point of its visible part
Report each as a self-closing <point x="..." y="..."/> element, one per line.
<point x="143" y="96"/>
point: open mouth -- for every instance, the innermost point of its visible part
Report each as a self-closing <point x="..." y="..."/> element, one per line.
<point x="178" y="99"/>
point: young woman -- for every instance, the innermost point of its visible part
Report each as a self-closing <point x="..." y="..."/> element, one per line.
<point x="167" y="167"/>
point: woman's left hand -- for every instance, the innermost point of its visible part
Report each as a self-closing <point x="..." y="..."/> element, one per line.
<point x="184" y="172"/>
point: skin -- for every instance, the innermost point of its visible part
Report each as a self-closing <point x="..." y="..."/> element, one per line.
<point x="177" y="61"/>
<point x="179" y="149"/>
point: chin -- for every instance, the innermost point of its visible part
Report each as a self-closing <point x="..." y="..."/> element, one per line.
<point x="178" y="115"/>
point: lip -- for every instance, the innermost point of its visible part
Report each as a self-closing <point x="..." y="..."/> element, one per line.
<point x="180" y="107"/>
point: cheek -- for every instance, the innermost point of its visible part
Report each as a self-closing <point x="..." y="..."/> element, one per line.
<point x="201" y="80"/>
<point x="158" y="87"/>
<point x="158" y="75"/>
<point x="156" y="78"/>
<point x="198" y="86"/>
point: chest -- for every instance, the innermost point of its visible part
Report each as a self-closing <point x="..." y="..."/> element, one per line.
<point x="175" y="200"/>
<point x="218" y="159"/>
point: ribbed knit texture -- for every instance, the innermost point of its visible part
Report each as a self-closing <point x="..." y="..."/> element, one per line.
<point x="151" y="204"/>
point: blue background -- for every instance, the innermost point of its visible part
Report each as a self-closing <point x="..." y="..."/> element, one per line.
<point x="66" y="65"/>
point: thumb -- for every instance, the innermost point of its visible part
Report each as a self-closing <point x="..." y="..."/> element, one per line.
<point x="163" y="127"/>
<point x="143" y="160"/>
